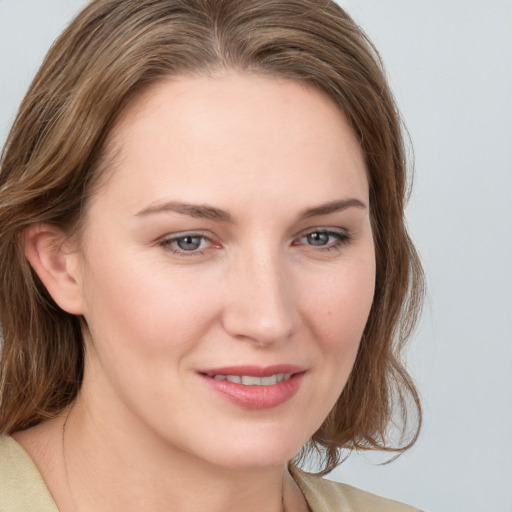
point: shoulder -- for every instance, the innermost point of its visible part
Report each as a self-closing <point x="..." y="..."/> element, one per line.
<point x="21" y="486"/>
<point x="325" y="495"/>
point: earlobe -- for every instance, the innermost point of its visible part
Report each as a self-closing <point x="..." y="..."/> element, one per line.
<point x="56" y="262"/>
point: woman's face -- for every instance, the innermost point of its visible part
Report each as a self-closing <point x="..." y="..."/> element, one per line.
<point x="227" y="268"/>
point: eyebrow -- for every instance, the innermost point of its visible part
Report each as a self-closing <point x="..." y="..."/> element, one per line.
<point x="332" y="207"/>
<point x="198" y="211"/>
<point x="201" y="211"/>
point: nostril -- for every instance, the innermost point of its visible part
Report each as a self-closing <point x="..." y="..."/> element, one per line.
<point x="259" y="304"/>
<point x="246" y="326"/>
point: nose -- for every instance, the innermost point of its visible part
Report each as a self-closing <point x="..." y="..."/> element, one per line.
<point x="260" y="301"/>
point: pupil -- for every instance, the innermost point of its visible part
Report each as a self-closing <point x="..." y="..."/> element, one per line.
<point x="189" y="243"/>
<point x="318" y="238"/>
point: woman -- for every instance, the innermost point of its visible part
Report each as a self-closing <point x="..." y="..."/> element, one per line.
<point x="205" y="264"/>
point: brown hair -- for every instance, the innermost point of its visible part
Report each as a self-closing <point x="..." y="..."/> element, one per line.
<point x="111" y="52"/>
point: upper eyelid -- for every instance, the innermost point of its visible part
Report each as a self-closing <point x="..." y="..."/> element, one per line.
<point x="168" y="243"/>
<point x="341" y="236"/>
<point x="323" y="229"/>
<point x="184" y="234"/>
<point x="177" y="236"/>
<point x="210" y="238"/>
<point x="304" y="232"/>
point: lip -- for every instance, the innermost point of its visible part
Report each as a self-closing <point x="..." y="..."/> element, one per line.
<point x="255" y="397"/>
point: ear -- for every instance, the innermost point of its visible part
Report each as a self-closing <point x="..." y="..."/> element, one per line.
<point x="57" y="263"/>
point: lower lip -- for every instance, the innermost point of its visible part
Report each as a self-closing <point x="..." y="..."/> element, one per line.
<point x="257" y="397"/>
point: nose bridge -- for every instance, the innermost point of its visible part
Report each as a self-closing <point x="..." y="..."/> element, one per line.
<point x="261" y="304"/>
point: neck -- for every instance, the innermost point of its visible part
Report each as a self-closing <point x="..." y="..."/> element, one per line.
<point x="105" y="470"/>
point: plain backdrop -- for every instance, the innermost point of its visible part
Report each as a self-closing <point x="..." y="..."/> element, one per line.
<point x="450" y="65"/>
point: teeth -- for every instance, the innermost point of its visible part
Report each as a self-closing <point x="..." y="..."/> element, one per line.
<point x="250" y="380"/>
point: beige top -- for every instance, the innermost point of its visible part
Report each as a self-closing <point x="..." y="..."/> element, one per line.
<point x="22" y="488"/>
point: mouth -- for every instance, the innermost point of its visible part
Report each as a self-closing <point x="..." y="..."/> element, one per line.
<point x="251" y="380"/>
<point x="253" y="387"/>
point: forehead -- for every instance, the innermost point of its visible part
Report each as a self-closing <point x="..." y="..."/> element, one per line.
<point x="236" y="132"/>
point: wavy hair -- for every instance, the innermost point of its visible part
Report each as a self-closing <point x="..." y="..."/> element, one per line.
<point x="57" y="148"/>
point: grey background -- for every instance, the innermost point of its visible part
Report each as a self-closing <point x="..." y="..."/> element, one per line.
<point x="450" y="66"/>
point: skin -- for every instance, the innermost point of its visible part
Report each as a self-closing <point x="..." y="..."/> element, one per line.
<point x="267" y="286"/>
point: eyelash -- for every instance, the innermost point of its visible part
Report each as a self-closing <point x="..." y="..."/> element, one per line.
<point x="341" y="237"/>
<point x="167" y="243"/>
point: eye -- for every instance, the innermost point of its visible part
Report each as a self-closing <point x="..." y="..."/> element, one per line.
<point x="187" y="243"/>
<point x="325" y="239"/>
<point x="318" y="238"/>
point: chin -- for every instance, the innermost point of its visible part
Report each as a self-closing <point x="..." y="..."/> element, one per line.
<point x="249" y="454"/>
<point x="253" y="460"/>
<point x="252" y="455"/>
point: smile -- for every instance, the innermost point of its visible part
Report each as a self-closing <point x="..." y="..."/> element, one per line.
<point x="255" y="387"/>
<point x="251" y="380"/>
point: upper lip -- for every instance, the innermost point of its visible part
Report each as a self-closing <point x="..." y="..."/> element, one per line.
<point x="254" y="371"/>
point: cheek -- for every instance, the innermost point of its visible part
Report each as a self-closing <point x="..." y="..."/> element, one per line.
<point x="344" y="298"/>
<point x="338" y="312"/>
<point x="144" y="322"/>
<point x="145" y="307"/>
